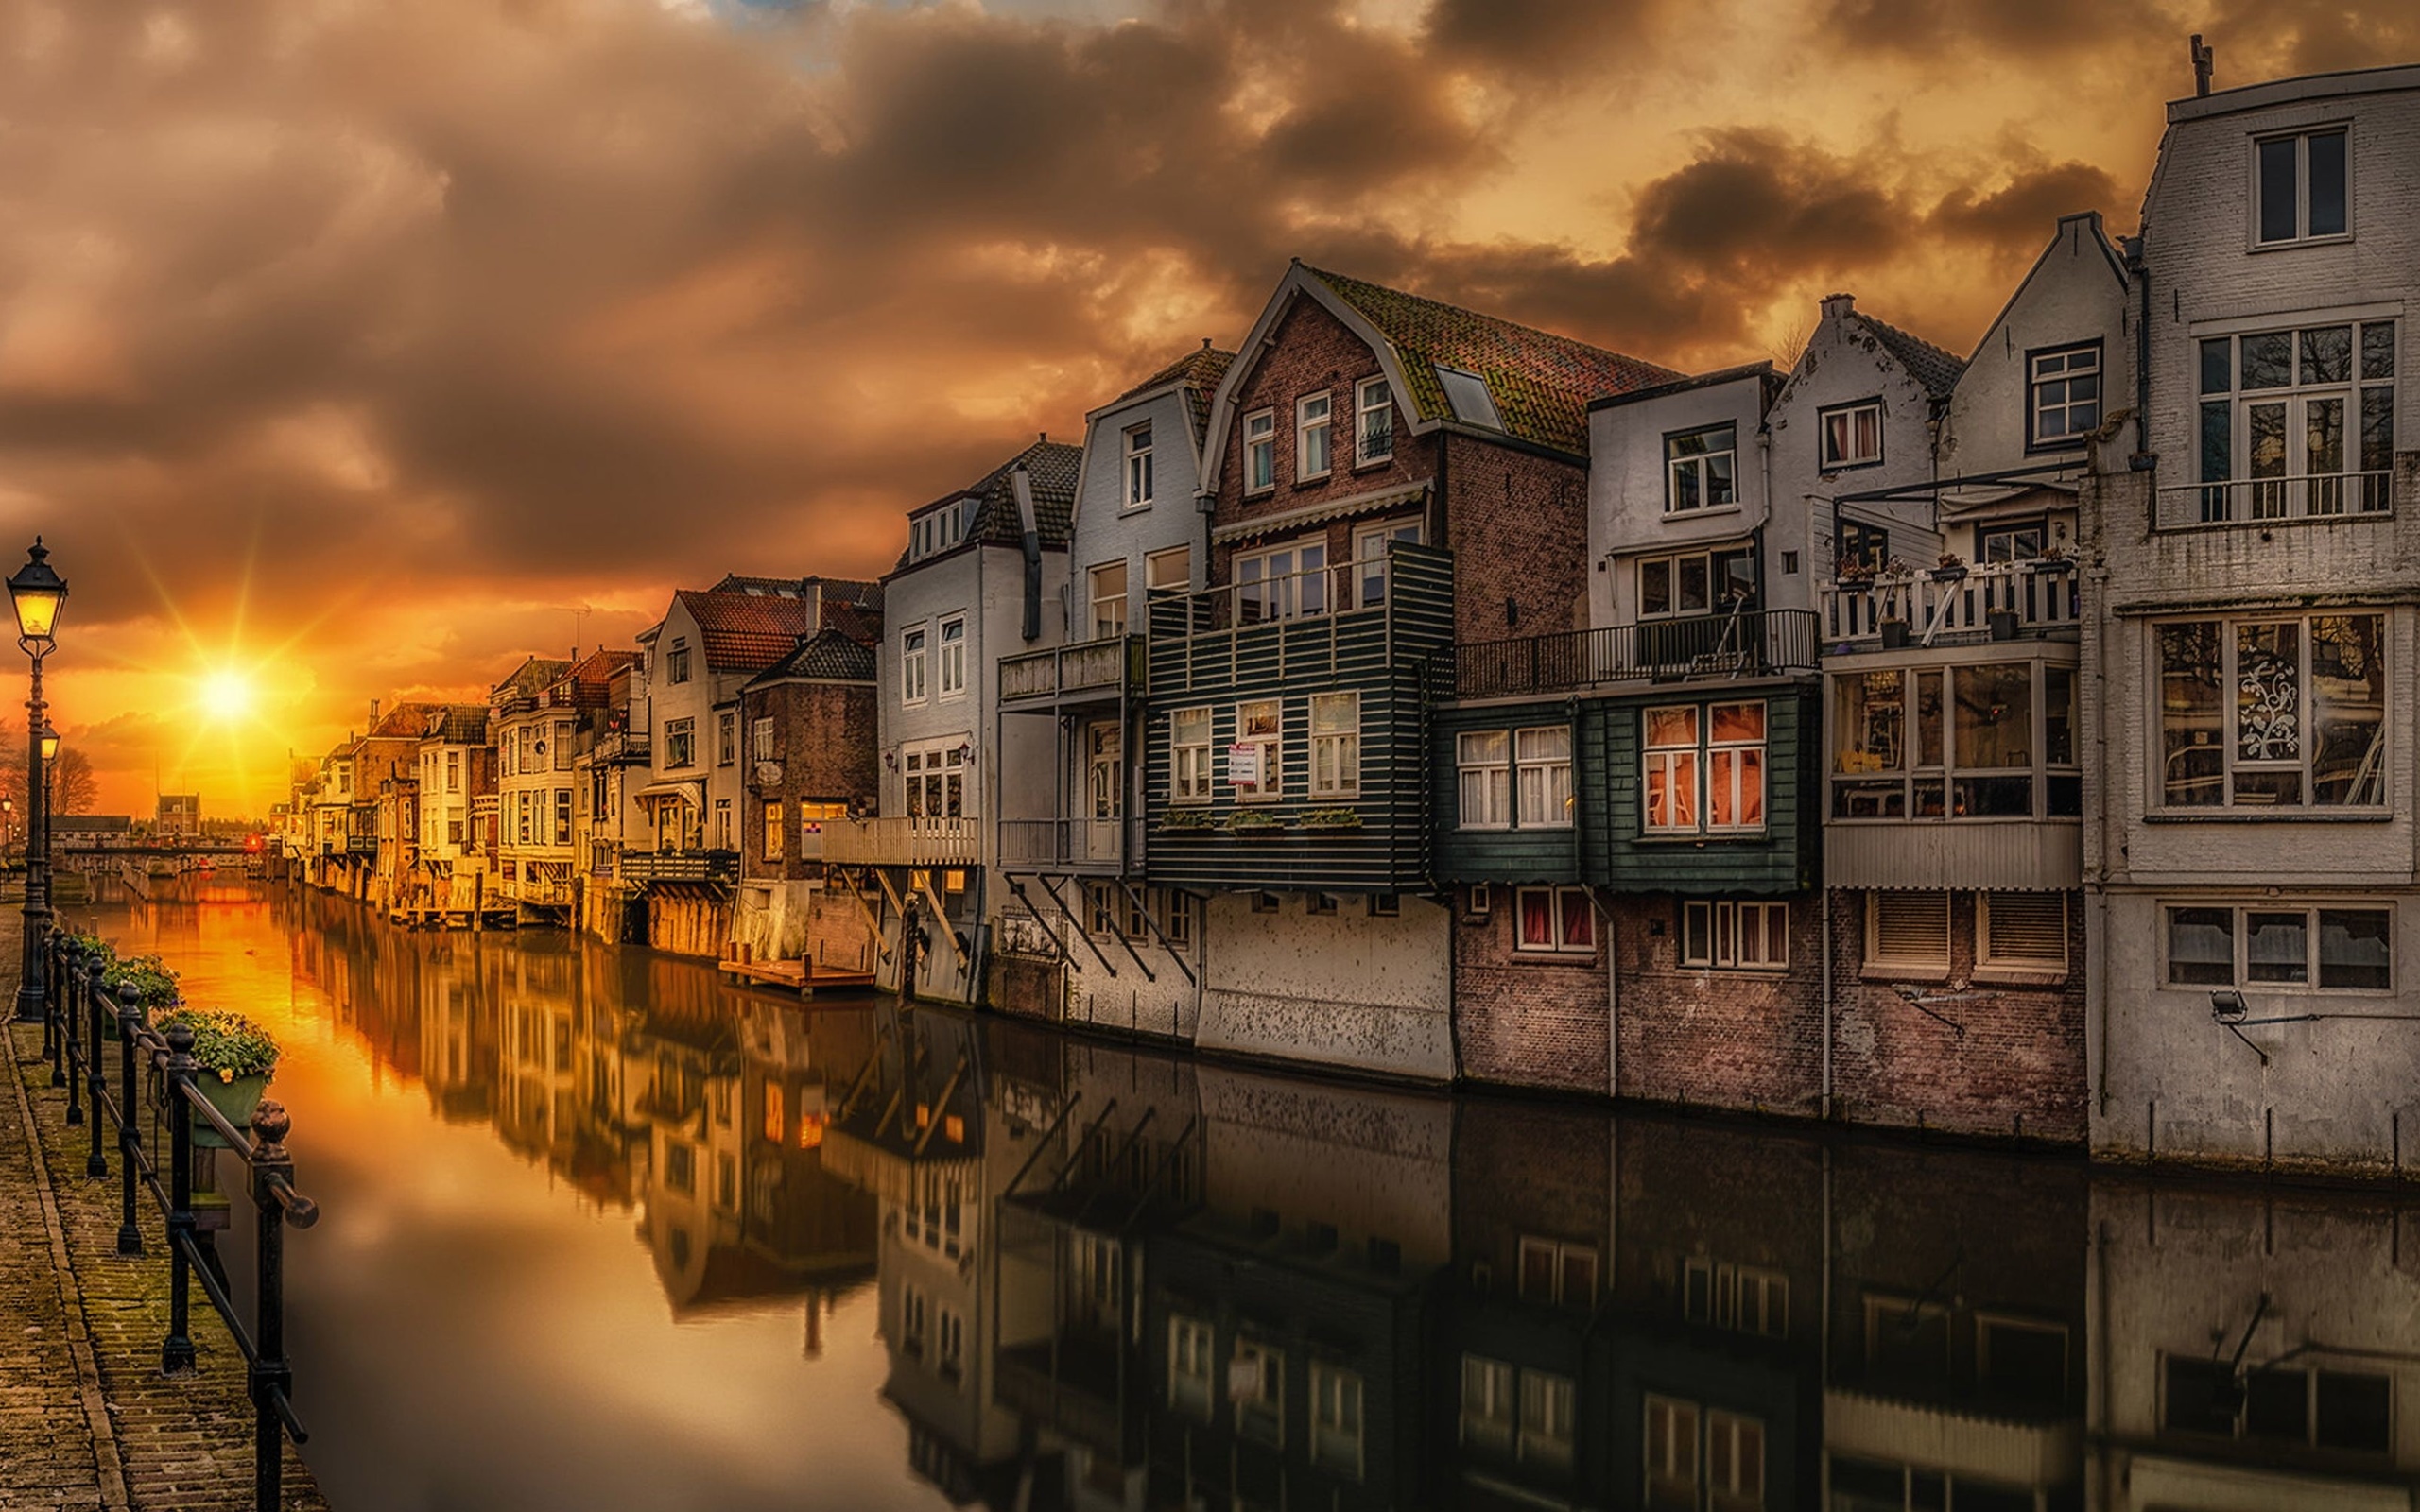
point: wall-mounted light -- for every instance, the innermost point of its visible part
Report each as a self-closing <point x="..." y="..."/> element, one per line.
<point x="891" y="760"/>
<point x="2227" y="1004"/>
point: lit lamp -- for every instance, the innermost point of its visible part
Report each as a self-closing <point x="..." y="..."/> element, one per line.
<point x="37" y="592"/>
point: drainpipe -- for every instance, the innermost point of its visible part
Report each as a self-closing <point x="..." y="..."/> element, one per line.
<point x="1823" y="915"/>
<point x="1029" y="537"/>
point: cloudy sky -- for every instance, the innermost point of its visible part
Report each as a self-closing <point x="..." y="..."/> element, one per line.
<point x="352" y="350"/>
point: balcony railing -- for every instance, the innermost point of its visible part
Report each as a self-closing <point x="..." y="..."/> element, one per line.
<point x="1094" y="667"/>
<point x="362" y="845"/>
<point x="2040" y="596"/>
<point x="620" y="746"/>
<point x="1751" y="643"/>
<point x="1077" y="845"/>
<point x="1348" y="617"/>
<point x="915" y="841"/>
<point x="2313" y="497"/>
<point x="681" y="866"/>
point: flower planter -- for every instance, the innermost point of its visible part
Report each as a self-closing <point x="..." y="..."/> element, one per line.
<point x="235" y="1101"/>
<point x="1950" y="574"/>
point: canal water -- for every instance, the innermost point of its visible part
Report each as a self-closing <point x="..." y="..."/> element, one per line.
<point x="604" y="1232"/>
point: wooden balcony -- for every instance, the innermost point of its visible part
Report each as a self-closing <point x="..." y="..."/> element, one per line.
<point x="681" y="866"/>
<point x="1350" y="621"/>
<point x="1093" y="671"/>
<point x="1947" y="607"/>
<point x="903" y="842"/>
<point x="1750" y="644"/>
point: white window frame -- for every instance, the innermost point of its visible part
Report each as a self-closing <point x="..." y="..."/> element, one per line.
<point x="1336" y="751"/>
<point x="1370" y="545"/>
<point x="1563" y="904"/>
<point x="913" y="666"/>
<point x="1699" y="466"/>
<point x="1716" y="580"/>
<point x="1737" y="934"/>
<point x="1374" y="405"/>
<point x="1107" y="616"/>
<point x="761" y="745"/>
<point x="685" y="731"/>
<point x="1549" y="1410"/>
<point x="1155" y="573"/>
<point x="1138" y="466"/>
<point x="951" y="655"/>
<point x="2296" y="488"/>
<point x="1272" y="785"/>
<point x="1661" y="1462"/>
<point x="1681" y="767"/>
<point x="1543" y="797"/>
<point x="1189" y="763"/>
<point x="1985" y="960"/>
<point x="1874" y="956"/>
<point x="726" y="737"/>
<point x="1835" y="462"/>
<point x="2040" y="376"/>
<point x="1493" y="1420"/>
<point x="1334" y="1445"/>
<point x="1261" y="1413"/>
<point x="1484" y="758"/>
<point x="676" y="662"/>
<point x="1314" y="413"/>
<point x="2303" y="719"/>
<point x="2240" y="969"/>
<point x="1300" y="591"/>
<point x="1260" y="452"/>
<point x="2302" y="234"/>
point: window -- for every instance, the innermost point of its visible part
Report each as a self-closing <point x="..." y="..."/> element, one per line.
<point x="1735" y="1462"/>
<point x="1319" y="905"/>
<point x="1482" y="757"/>
<point x="1370" y="558"/>
<point x="1169" y="568"/>
<point x="679" y="1166"/>
<point x="953" y="656"/>
<point x="2269" y="947"/>
<point x="1312" y="436"/>
<point x="453" y="771"/>
<point x="1698" y="582"/>
<point x="1190" y="756"/>
<point x="1335" y="744"/>
<point x="1745" y="1297"/>
<point x="1731" y="756"/>
<point x="1373" y="429"/>
<point x="1479" y="902"/>
<point x="2304" y="187"/>
<point x="1980" y="741"/>
<point x="951" y="1334"/>
<point x="726" y="739"/>
<point x="680" y="742"/>
<point x="1543" y="758"/>
<point x="1260" y="450"/>
<point x="936" y="782"/>
<point x="1547" y="1403"/>
<point x="1108" y="585"/>
<point x="2296" y="422"/>
<point x="1751" y="936"/>
<point x="1861" y="545"/>
<point x="1257" y="1383"/>
<point x="1909" y="928"/>
<point x="1138" y="466"/>
<point x="1281" y="584"/>
<point x="2274" y="713"/>
<point x="912" y="665"/>
<point x="562" y="815"/>
<point x="1671" y="1453"/>
<point x="2008" y="542"/>
<point x="1852" y="433"/>
<point x="914" y="1318"/>
<point x="1252" y="768"/>
<point x="2062" y="395"/>
<point x="521" y="817"/>
<point x="1467" y="392"/>
<point x="2023" y="931"/>
<point x="772" y="831"/>
<point x="1336" y="1418"/>
<point x="1488" y="1407"/>
<point x="1552" y="1271"/>
<point x="1700" y="470"/>
<point x="1555" y="920"/>
<point x="2313" y="1408"/>
<point x="722" y="824"/>
<point x="676" y="662"/>
<point x="1176" y="917"/>
<point x="1190" y="1388"/>
<point x="761" y="747"/>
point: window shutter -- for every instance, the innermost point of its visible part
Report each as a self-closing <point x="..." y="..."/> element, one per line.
<point x="2026" y="929"/>
<point x="1911" y="927"/>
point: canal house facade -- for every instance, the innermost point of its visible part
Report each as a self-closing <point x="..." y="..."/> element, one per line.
<point x="809" y="725"/>
<point x="982" y="564"/>
<point x="533" y="736"/>
<point x="1080" y="932"/>
<point x="2251" y="832"/>
<point x="456" y="767"/>
<point x="1385" y="473"/>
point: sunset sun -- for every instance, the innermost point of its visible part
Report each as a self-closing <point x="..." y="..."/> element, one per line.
<point x="227" y="695"/>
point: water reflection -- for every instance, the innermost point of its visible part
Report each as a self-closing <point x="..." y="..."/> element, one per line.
<point x="1003" y="1268"/>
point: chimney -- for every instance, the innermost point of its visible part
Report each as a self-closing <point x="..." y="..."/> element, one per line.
<point x="1837" y="305"/>
<point x="2205" y="65"/>
<point x="374" y="713"/>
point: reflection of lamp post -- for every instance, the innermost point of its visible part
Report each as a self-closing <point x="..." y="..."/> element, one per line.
<point x="8" y="817"/>
<point x="36" y="591"/>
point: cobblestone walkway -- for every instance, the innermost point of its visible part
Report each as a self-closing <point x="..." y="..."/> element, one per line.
<point x="86" y="1418"/>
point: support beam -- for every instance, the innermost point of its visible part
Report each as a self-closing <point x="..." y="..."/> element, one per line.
<point x="1075" y="925"/>
<point x="940" y="914"/>
<point x="940" y="1104"/>
<point x="1016" y="886"/>
<point x="1153" y="925"/>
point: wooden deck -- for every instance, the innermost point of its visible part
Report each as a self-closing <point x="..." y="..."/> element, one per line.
<point x="804" y="976"/>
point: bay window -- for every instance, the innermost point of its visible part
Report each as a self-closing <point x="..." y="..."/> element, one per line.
<point x="2272" y="713"/>
<point x="1968" y="741"/>
<point x="2269" y="946"/>
<point x="1703" y="768"/>
<point x="2297" y="422"/>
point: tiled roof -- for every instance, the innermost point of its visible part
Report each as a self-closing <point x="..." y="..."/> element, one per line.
<point x="402" y="722"/>
<point x="1051" y="468"/>
<point x="858" y="621"/>
<point x="852" y="590"/>
<point x="1200" y="372"/>
<point x="532" y="676"/>
<point x="457" y="724"/>
<point x="747" y="632"/>
<point x="826" y="656"/>
<point x="592" y="680"/>
<point x="1541" y="382"/>
<point x="1936" y="370"/>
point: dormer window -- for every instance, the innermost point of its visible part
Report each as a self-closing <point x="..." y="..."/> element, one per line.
<point x="1852" y="433"/>
<point x="2303" y="187"/>
<point x="1138" y="466"/>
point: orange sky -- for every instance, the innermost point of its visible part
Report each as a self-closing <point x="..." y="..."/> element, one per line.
<point x="359" y="350"/>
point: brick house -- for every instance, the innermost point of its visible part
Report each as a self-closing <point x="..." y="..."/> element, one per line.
<point x="809" y="727"/>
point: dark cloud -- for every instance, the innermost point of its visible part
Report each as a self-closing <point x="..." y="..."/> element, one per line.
<point x="2028" y="205"/>
<point x="1936" y="31"/>
<point x="1535" y="39"/>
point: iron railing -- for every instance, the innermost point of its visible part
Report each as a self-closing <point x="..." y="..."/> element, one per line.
<point x="2317" y="496"/>
<point x="73" y="1031"/>
<point x="1750" y="643"/>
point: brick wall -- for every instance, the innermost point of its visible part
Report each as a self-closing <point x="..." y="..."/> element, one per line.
<point x="1522" y="1019"/>
<point x="824" y="736"/>
<point x="1722" y="1039"/>
<point x="2017" y="1069"/>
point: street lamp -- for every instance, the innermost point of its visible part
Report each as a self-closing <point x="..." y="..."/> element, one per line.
<point x="37" y="592"/>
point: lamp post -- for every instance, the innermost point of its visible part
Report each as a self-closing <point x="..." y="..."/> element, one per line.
<point x="36" y="591"/>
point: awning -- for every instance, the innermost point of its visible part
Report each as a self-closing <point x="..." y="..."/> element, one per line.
<point x="693" y="794"/>
<point x="1989" y="502"/>
<point x="1375" y="501"/>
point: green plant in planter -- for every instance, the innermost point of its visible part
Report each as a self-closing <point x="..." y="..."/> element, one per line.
<point x="1331" y="819"/>
<point x="1247" y="821"/>
<point x="146" y="981"/>
<point x="234" y="1059"/>
<point x="1189" y="820"/>
<point x="93" y="945"/>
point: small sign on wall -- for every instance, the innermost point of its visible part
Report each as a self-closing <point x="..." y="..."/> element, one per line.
<point x="1243" y="765"/>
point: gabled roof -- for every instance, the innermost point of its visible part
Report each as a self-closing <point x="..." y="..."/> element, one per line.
<point x="1764" y="372"/>
<point x="456" y="724"/>
<point x="1935" y="369"/>
<point x="1541" y="383"/>
<point x="1050" y="470"/>
<point x="858" y="621"/>
<point x="403" y="722"/>
<point x="1198" y="370"/>
<point x="747" y="632"/>
<point x="832" y="590"/>
<point x="531" y="677"/>
<point x="827" y="655"/>
<point x="592" y="678"/>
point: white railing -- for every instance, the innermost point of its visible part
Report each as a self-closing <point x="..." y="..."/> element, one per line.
<point x="1955" y="602"/>
<point x="2319" y="496"/>
<point x="903" y="842"/>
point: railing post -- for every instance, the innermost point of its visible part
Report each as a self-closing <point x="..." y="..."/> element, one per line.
<point x="68" y="1017"/>
<point x="129" y="1135"/>
<point x="176" y="1354"/>
<point x="60" y="952"/>
<point x="96" y="1076"/>
<point x="270" y="1375"/>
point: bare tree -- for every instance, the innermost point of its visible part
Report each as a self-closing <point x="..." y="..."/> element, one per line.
<point x="1789" y="343"/>
<point x="73" y="787"/>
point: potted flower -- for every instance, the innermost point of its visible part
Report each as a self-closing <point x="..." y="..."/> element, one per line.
<point x="146" y="981"/>
<point x="1951" y="569"/>
<point x="1185" y="820"/>
<point x="1331" y="819"/>
<point x="233" y="1060"/>
<point x="1252" y="822"/>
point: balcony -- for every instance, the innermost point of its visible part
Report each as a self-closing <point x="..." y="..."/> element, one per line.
<point x="2312" y="499"/>
<point x="361" y="845"/>
<point x="1994" y="602"/>
<point x="1093" y="671"/>
<point x="1751" y="643"/>
<point x="681" y="866"/>
<point x="628" y="746"/>
<point x="1351" y="621"/>
<point x="914" y="841"/>
<point x="1094" y="846"/>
